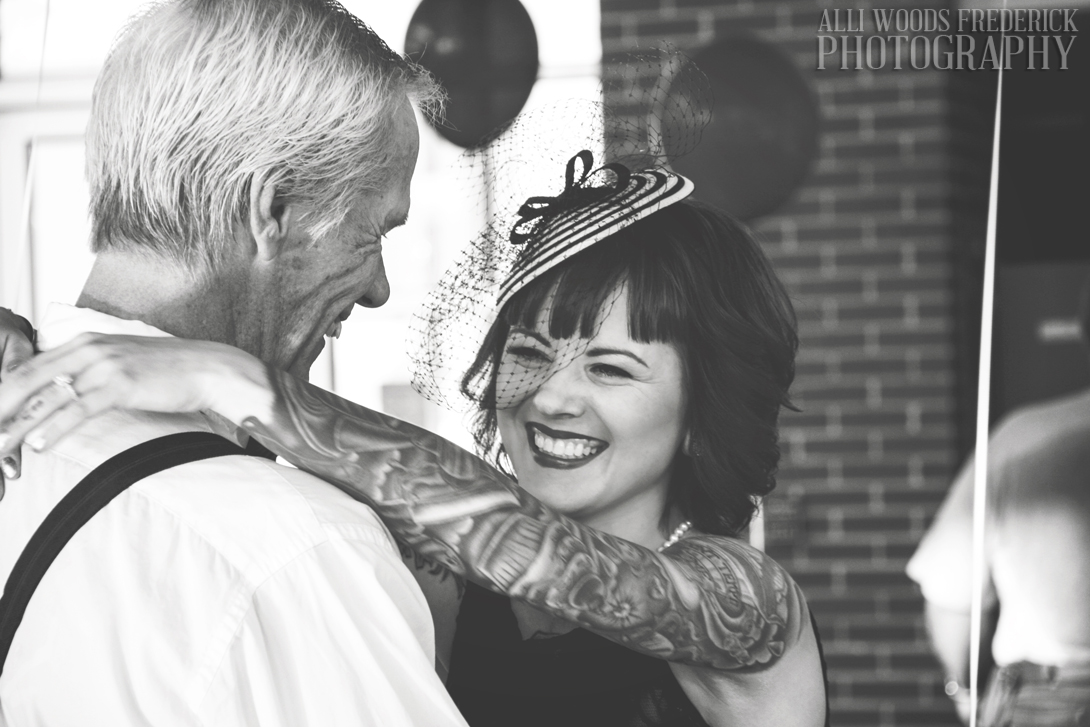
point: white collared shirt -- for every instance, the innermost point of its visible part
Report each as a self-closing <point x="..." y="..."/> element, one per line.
<point x="231" y="591"/>
<point x="1037" y="536"/>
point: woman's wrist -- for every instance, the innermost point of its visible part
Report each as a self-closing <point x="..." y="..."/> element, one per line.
<point x="239" y="387"/>
<point x="22" y="324"/>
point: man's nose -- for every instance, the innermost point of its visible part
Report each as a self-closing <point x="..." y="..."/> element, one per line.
<point x="378" y="290"/>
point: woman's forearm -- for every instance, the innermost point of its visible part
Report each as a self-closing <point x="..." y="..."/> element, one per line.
<point x="712" y="602"/>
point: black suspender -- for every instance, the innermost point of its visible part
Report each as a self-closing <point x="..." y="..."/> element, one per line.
<point x="93" y="493"/>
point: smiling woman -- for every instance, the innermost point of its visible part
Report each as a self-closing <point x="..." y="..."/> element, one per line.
<point x="679" y="318"/>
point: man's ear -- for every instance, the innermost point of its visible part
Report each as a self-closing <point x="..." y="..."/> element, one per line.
<point x="272" y="219"/>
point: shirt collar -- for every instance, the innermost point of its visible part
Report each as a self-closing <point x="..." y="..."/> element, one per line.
<point x="61" y="323"/>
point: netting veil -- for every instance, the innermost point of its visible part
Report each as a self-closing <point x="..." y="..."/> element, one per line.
<point x="553" y="182"/>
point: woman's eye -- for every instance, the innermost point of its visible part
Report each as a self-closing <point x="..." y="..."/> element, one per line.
<point x="528" y="355"/>
<point x="610" y="371"/>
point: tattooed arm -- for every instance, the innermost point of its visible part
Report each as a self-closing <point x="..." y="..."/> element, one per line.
<point x="708" y="601"/>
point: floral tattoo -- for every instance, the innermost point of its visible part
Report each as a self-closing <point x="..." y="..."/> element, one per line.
<point x="707" y="601"/>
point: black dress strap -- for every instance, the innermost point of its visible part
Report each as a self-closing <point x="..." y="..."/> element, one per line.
<point x="824" y="667"/>
<point x="93" y="493"/>
<point x="577" y="679"/>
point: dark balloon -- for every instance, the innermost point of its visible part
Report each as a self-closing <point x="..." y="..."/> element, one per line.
<point x="485" y="54"/>
<point x="764" y="129"/>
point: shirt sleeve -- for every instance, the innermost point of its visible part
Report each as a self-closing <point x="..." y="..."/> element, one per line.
<point x="332" y="638"/>
<point x="943" y="563"/>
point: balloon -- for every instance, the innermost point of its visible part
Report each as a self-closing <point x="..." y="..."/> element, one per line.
<point x="485" y="54"/>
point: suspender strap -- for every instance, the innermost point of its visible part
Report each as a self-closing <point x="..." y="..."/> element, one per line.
<point x="93" y="493"/>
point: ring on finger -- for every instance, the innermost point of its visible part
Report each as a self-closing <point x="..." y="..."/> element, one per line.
<point x="64" y="383"/>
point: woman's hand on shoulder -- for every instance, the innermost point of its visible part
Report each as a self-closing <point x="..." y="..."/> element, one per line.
<point x="16" y="348"/>
<point x="16" y="342"/>
<point x="48" y="396"/>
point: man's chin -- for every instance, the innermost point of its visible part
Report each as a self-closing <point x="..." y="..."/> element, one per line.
<point x="300" y="365"/>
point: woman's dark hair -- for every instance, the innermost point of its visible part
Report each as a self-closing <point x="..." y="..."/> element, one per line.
<point x="695" y="279"/>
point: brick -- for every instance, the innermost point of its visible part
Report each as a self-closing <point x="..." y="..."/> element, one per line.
<point x="869" y="258"/>
<point x="942" y="713"/>
<point x="613" y="31"/>
<point x="903" y="552"/>
<point x="811" y="580"/>
<point x="915" y="121"/>
<point x="839" y="497"/>
<point x="886" y="689"/>
<point x="868" y="717"/>
<point x="869" y="151"/>
<point x="849" y="95"/>
<point x="837" y="662"/>
<point x="878" y="579"/>
<point x="612" y="8"/>
<point x="841" y="552"/>
<point x="871" y="523"/>
<point x="664" y="28"/>
<point x="870" y="203"/>
<point x="925" y="661"/>
<point x="727" y="26"/>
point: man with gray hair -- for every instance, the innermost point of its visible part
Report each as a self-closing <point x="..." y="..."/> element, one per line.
<point x="245" y="159"/>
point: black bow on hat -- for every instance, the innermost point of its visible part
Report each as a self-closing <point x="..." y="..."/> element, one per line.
<point x="537" y="212"/>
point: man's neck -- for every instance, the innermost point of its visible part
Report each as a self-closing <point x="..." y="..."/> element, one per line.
<point x="159" y="292"/>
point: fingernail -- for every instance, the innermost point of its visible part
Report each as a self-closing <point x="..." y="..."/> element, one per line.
<point x="35" y="440"/>
<point x="7" y="466"/>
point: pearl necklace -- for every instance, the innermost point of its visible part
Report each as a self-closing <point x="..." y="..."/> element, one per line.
<point x="676" y="535"/>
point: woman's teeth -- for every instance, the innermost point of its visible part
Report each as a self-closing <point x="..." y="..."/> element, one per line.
<point x="334" y="330"/>
<point x="565" y="448"/>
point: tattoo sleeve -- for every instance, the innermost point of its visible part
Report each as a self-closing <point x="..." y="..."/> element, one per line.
<point x="708" y="601"/>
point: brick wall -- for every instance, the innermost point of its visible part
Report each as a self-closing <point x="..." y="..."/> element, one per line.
<point x="872" y="249"/>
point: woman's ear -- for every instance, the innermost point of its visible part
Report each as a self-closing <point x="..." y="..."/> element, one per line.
<point x="271" y="217"/>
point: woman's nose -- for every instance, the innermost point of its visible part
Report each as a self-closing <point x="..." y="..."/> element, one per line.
<point x="562" y="394"/>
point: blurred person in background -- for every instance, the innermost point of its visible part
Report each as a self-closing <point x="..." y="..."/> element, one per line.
<point x="245" y="158"/>
<point x="1037" y="559"/>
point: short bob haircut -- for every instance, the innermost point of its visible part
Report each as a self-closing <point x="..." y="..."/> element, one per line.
<point x="198" y="96"/>
<point x="697" y="280"/>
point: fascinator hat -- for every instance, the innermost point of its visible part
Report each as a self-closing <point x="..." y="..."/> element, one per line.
<point x="553" y="229"/>
<point x="553" y="183"/>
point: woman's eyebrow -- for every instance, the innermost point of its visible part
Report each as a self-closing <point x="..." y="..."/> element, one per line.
<point x="615" y="351"/>
<point x="533" y="334"/>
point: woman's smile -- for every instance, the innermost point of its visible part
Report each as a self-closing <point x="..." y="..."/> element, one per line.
<point x="561" y="450"/>
<point x="597" y="437"/>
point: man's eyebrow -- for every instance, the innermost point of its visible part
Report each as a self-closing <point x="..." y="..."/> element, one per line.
<point x="615" y="352"/>
<point x="535" y="335"/>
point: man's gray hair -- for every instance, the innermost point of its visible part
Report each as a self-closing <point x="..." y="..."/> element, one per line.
<point x="198" y="96"/>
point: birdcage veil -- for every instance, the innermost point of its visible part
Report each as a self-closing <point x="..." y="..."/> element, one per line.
<point x="556" y="180"/>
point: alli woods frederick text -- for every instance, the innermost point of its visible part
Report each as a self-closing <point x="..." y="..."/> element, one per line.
<point x="965" y="39"/>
